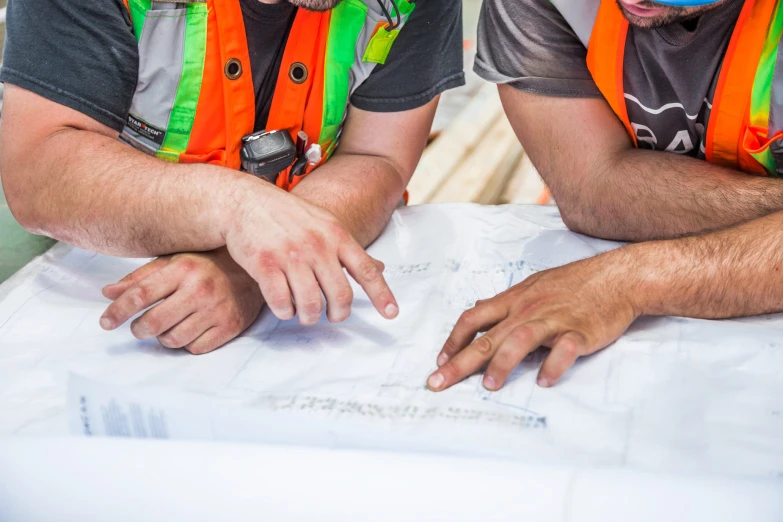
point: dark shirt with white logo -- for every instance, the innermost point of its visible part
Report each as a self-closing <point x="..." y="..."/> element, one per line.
<point x="669" y="76"/>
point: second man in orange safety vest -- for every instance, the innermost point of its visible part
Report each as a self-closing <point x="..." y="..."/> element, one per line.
<point x="653" y="122"/>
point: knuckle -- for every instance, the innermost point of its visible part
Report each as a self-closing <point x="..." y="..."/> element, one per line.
<point x="294" y="254"/>
<point x="205" y="289"/>
<point x="138" y="296"/>
<point x="571" y="349"/>
<point x="234" y="323"/>
<point x="278" y="299"/>
<point x="281" y="304"/>
<point x="312" y="307"/>
<point x="522" y="334"/>
<point x="315" y="243"/>
<point x="469" y="318"/>
<point x="145" y="327"/>
<point x="344" y="297"/>
<point x="505" y="360"/>
<point x="187" y="264"/>
<point x="369" y="271"/>
<point x="483" y="345"/>
<point x="337" y="231"/>
<point x="267" y="261"/>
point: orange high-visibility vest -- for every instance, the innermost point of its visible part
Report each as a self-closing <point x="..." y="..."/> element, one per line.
<point x="195" y="100"/>
<point x="742" y="126"/>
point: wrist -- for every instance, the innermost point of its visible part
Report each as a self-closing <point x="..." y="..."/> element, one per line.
<point x="239" y="191"/>
<point x="651" y="267"/>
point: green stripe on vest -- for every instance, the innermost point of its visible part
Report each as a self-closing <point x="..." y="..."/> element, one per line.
<point x="760" y="101"/>
<point x="346" y="23"/>
<point x="138" y="13"/>
<point x="183" y="113"/>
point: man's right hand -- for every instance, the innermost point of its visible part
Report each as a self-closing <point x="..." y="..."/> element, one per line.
<point x="52" y="169"/>
<point x="293" y="248"/>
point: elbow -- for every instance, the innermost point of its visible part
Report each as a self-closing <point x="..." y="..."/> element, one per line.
<point x="20" y="199"/>
<point x="575" y="218"/>
<point x="574" y="206"/>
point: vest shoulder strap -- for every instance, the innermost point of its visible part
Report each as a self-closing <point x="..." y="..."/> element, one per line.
<point x="580" y="15"/>
<point x="730" y="108"/>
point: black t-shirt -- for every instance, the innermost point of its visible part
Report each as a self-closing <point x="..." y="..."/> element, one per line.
<point x="82" y="54"/>
<point x="266" y="27"/>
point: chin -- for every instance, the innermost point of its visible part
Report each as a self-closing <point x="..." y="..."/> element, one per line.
<point x="315" y="5"/>
<point x="668" y="14"/>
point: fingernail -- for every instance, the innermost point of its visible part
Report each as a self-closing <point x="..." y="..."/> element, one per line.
<point x="105" y="323"/>
<point x="435" y="381"/>
<point x="489" y="383"/>
<point x="391" y="310"/>
<point x="543" y="382"/>
<point x="442" y="359"/>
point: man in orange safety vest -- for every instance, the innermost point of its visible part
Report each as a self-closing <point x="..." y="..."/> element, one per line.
<point x="658" y="123"/>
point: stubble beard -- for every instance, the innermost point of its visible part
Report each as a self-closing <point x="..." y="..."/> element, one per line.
<point x="315" y="5"/>
<point x="669" y="16"/>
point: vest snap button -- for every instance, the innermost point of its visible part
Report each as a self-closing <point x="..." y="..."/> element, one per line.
<point x="233" y="69"/>
<point x="298" y="72"/>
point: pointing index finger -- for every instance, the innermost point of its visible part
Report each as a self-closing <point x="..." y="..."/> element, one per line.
<point x="366" y="271"/>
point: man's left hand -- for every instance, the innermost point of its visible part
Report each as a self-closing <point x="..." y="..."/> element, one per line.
<point x="196" y="301"/>
<point x="576" y="310"/>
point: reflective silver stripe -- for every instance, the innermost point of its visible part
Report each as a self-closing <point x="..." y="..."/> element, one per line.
<point x="161" y="55"/>
<point x="580" y="15"/>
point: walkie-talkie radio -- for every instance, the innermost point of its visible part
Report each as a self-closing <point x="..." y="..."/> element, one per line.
<point x="266" y="154"/>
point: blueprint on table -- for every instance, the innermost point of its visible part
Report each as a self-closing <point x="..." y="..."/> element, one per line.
<point x="672" y="395"/>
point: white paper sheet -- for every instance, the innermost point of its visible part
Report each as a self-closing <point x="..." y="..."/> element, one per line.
<point x="672" y="395"/>
<point x="85" y="480"/>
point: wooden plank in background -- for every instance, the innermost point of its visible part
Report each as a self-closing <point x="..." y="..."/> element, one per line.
<point x="525" y="185"/>
<point x="481" y="177"/>
<point x="444" y="155"/>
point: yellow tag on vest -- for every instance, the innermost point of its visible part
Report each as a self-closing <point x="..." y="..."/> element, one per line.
<point x="379" y="46"/>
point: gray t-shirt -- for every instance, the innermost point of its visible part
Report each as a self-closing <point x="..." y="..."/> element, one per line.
<point x="669" y="78"/>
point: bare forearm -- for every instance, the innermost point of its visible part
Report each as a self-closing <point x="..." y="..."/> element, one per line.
<point x="642" y="195"/>
<point x="97" y="193"/>
<point x="362" y="191"/>
<point x="730" y="273"/>
<point x="607" y="188"/>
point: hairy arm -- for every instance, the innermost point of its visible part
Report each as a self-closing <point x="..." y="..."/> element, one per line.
<point x="364" y="181"/>
<point x="67" y="176"/>
<point x="607" y="188"/>
<point x="729" y="273"/>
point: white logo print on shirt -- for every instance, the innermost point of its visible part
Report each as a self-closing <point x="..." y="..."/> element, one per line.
<point x="678" y="140"/>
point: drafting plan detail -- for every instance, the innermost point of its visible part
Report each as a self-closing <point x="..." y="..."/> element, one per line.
<point x="672" y="395"/>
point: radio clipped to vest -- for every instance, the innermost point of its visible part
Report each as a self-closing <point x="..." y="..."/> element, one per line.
<point x="266" y="154"/>
<point x="195" y="101"/>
